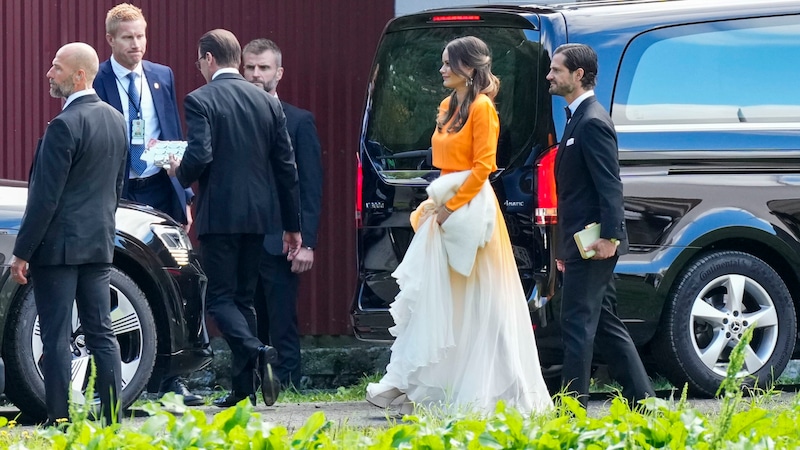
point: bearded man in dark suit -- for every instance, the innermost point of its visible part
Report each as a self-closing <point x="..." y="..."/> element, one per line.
<point x="239" y="151"/>
<point x="276" y="297"/>
<point x="67" y="232"/>
<point x="589" y="190"/>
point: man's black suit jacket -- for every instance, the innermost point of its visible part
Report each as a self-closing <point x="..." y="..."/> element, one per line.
<point x="307" y="154"/>
<point x="75" y="186"/>
<point x="239" y="150"/>
<point x="588" y="184"/>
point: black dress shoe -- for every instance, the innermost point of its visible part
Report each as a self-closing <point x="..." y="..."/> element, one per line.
<point x="178" y="386"/>
<point x="233" y="398"/>
<point x="270" y="385"/>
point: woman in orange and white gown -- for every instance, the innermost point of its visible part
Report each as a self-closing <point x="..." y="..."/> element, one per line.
<point x="464" y="338"/>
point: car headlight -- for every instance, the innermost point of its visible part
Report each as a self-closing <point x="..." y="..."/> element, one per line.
<point x="176" y="242"/>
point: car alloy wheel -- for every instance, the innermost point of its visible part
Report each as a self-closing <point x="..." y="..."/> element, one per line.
<point x="127" y="327"/>
<point x="713" y="301"/>
<point x="133" y="325"/>
<point x="721" y="313"/>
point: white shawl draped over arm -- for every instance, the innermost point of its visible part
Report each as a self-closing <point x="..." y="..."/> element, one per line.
<point x="425" y="296"/>
<point x="469" y="227"/>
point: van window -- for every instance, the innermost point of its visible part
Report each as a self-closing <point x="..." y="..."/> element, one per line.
<point x="730" y="74"/>
<point x="406" y="89"/>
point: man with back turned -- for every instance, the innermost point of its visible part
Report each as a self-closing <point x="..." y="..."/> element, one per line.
<point x="239" y="151"/>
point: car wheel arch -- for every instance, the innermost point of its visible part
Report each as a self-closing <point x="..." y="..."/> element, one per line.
<point x="149" y="287"/>
<point x="769" y="244"/>
<point x="8" y="295"/>
<point x="716" y="225"/>
<point x="768" y="247"/>
<point x="772" y="250"/>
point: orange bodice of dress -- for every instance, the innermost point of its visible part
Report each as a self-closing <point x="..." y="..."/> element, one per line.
<point x="473" y="148"/>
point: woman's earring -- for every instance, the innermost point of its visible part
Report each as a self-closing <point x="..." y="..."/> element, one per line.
<point x="469" y="82"/>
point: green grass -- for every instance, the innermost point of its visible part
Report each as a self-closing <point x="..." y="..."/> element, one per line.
<point x="656" y="423"/>
<point x="788" y="380"/>
<point x="755" y="422"/>
<point x="659" y="384"/>
<point x="357" y="392"/>
<point x="353" y="393"/>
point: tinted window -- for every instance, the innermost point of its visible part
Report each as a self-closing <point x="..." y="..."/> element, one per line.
<point x="407" y="90"/>
<point x="730" y="72"/>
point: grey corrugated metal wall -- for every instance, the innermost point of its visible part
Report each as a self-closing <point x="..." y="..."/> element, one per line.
<point x="327" y="47"/>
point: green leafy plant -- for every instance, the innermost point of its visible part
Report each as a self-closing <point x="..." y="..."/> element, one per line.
<point x="653" y="423"/>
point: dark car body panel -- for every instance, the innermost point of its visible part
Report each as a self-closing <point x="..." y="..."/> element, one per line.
<point x="175" y="293"/>
<point x="687" y="192"/>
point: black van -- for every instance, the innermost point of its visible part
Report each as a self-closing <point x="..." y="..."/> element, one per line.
<point x="707" y="111"/>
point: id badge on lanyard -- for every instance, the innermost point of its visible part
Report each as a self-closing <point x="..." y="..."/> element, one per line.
<point x="137" y="132"/>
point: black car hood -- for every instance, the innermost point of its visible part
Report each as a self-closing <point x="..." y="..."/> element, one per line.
<point x="131" y="217"/>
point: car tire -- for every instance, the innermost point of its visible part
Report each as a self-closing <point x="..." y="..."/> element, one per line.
<point x="134" y="327"/>
<point x="702" y="323"/>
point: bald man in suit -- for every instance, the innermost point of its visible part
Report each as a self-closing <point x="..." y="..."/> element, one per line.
<point x="67" y="232"/>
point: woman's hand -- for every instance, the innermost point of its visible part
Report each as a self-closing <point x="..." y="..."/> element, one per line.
<point x="442" y="213"/>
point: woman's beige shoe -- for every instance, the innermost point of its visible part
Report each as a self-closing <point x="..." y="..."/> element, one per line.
<point x="406" y="406"/>
<point x="380" y="396"/>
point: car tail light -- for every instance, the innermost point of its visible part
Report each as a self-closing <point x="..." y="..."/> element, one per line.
<point x="546" y="201"/>
<point x="359" y="195"/>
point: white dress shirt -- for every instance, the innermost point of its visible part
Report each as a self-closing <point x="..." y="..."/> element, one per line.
<point x="75" y="95"/>
<point x="225" y="70"/>
<point x="152" y="129"/>
<point x="577" y="102"/>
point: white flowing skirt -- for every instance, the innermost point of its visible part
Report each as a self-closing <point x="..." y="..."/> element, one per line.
<point x="463" y="342"/>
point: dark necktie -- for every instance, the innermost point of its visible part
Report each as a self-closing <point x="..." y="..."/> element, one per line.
<point x="134" y="104"/>
<point x="569" y="113"/>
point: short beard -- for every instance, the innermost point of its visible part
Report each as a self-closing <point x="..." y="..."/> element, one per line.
<point x="61" y="91"/>
<point x="560" y="90"/>
<point x="270" y="86"/>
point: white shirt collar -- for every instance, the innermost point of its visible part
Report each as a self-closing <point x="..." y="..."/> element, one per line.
<point x="77" y="95"/>
<point x="577" y="102"/>
<point x="122" y="72"/>
<point x="224" y="70"/>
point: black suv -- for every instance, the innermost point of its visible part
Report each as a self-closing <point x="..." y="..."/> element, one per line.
<point x="157" y="307"/>
<point x="708" y="120"/>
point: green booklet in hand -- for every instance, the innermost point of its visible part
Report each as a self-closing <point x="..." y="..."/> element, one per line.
<point x="586" y="237"/>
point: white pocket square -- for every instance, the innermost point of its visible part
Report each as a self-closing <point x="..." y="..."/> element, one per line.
<point x="570" y="141"/>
